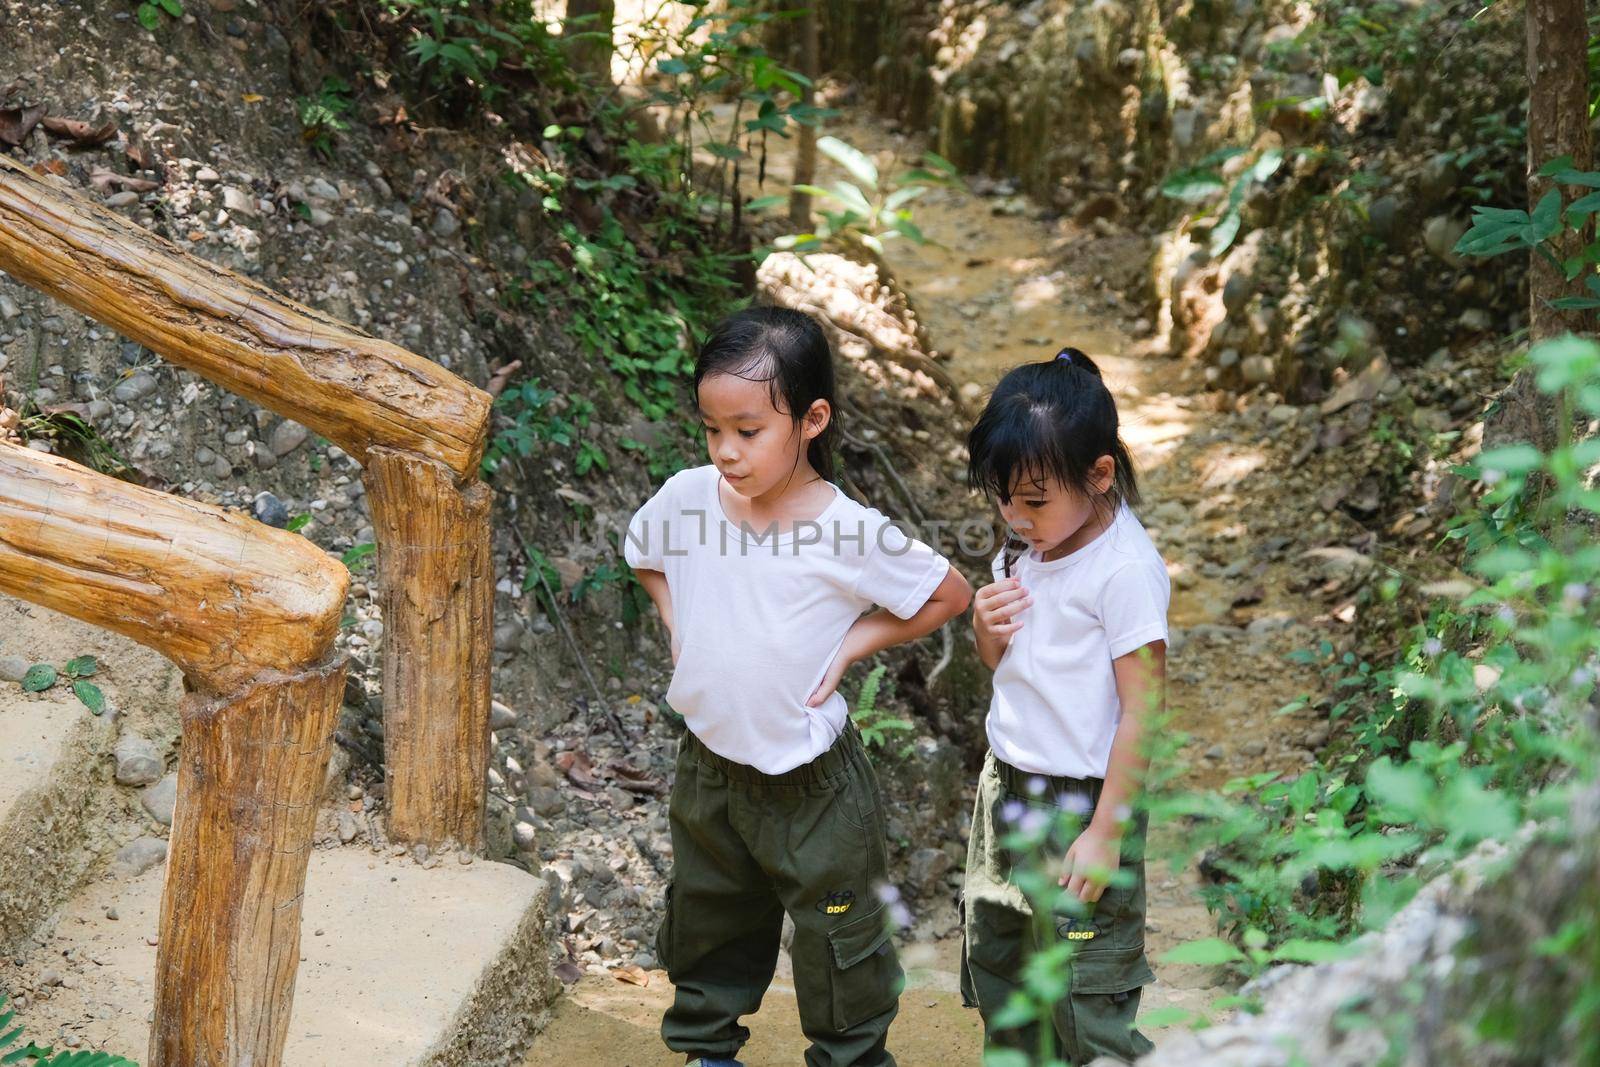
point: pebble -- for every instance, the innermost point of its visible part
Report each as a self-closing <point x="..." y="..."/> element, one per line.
<point x="126" y="198"/>
<point x="161" y="799"/>
<point x="348" y="827"/>
<point x="139" y="762"/>
<point x="139" y="855"/>
<point x="8" y="308"/>
<point x="288" y="436"/>
<point x="12" y="668"/>
<point x="501" y="717"/>
<point x="269" y="509"/>
<point x="139" y="385"/>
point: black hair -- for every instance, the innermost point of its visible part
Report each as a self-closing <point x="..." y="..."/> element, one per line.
<point x="1054" y="418"/>
<point x="787" y="350"/>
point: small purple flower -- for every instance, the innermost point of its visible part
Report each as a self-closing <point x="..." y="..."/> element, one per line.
<point x="888" y="892"/>
<point x="1506" y="615"/>
<point x="1582" y="677"/>
<point x="1036" y="786"/>
<point x="1076" y="803"/>
<point x="1034" y="821"/>
<point x="1575" y="593"/>
<point x="901" y="915"/>
<point x="1433" y="646"/>
<point x="1493" y="477"/>
<point x="1011" y="811"/>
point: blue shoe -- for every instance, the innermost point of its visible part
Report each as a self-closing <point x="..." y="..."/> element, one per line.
<point x="703" y="1062"/>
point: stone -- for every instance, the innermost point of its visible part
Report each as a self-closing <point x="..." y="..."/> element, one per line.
<point x="1383" y="217"/>
<point x="523" y="835"/>
<point x="126" y="198"/>
<point x="161" y="799"/>
<point x="238" y="202"/>
<point x="1256" y="370"/>
<point x="925" y="870"/>
<point x="287" y="436"/>
<point x="1337" y="563"/>
<point x="445" y="223"/>
<point x="323" y="189"/>
<point x="500" y="716"/>
<point x="349" y="828"/>
<point x="139" y="855"/>
<point x="270" y="510"/>
<point x="546" y="801"/>
<point x="12" y="668"/>
<point x="1440" y="234"/>
<point x="1476" y="320"/>
<point x="1438" y="178"/>
<point x="320" y="218"/>
<point x="206" y="174"/>
<point x="139" y="762"/>
<point x="8" y="308"/>
<point x="139" y="385"/>
<point x="1237" y="291"/>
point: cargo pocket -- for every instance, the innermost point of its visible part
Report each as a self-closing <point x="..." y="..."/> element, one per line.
<point x="664" y="935"/>
<point x="867" y="978"/>
<point x="1105" y="1005"/>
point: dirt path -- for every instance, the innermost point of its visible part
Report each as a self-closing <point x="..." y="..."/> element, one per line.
<point x="1005" y="285"/>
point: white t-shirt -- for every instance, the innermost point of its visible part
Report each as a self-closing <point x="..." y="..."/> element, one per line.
<point x="761" y="615"/>
<point x="1055" y="708"/>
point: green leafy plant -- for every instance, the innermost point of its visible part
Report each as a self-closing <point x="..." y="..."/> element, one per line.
<point x="877" y="727"/>
<point x="43" y="676"/>
<point x="1203" y="183"/>
<point x="152" y="14"/>
<point x="1496" y="231"/>
<point x="873" y="208"/>
<point x="37" y="1056"/>
<point x="324" y="115"/>
<point x="358" y="557"/>
<point x="477" y="48"/>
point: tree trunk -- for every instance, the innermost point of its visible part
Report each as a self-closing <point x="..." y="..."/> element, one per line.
<point x="438" y="606"/>
<point x="805" y="160"/>
<point x="591" y="55"/>
<point x="355" y="390"/>
<point x="1558" y="125"/>
<point x="249" y="773"/>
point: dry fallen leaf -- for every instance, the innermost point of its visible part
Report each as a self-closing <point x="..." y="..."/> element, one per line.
<point x="631" y="973"/>
<point x="81" y="134"/>
<point x="17" y="122"/>
<point x="568" y="972"/>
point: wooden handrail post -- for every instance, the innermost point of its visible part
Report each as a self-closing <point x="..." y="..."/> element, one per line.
<point x="250" y="614"/>
<point x="438" y="602"/>
<point x="375" y="400"/>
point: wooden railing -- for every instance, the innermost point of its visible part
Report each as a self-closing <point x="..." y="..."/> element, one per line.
<point x="250" y="613"/>
<point x="418" y="430"/>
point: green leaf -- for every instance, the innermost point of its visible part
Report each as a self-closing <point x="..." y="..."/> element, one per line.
<point x="1404" y="788"/>
<point x="1208" y="951"/>
<point x="1298" y="950"/>
<point x="900" y="197"/>
<point x="1546" y="217"/>
<point x="1511" y="459"/>
<point x="851" y="159"/>
<point x="171" y="7"/>
<point x="762" y="203"/>
<point x="1169" y="1015"/>
<point x="149" y="16"/>
<point x="39" y="677"/>
<point x="1223" y="233"/>
<point x="723" y="150"/>
<point x="90" y="695"/>
<point x="358" y="553"/>
<point x="298" y="523"/>
<point x="82" y="666"/>
<point x="1192" y="186"/>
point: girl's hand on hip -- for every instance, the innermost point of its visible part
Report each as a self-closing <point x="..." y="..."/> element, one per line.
<point x="1091" y="861"/>
<point x="998" y="605"/>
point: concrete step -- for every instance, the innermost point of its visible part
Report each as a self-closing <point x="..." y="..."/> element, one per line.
<point x="59" y="808"/>
<point x="442" y="967"/>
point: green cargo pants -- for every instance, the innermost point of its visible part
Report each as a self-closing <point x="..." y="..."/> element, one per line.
<point x="748" y="847"/>
<point x="1108" y="966"/>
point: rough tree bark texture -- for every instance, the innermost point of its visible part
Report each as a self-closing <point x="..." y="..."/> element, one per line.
<point x="251" y="768"/>
<point x="1558" y="125"/>
<point x="355" y="390"/>
<point x="805" y="160"/>
<point x="438" y="604"/>
<point x="592" y="55"/>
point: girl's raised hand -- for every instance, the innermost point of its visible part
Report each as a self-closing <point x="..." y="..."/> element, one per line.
<point x="997" y="607"/>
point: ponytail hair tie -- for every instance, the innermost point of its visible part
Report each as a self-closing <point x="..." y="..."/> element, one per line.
<point x="1067" y="355"/>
